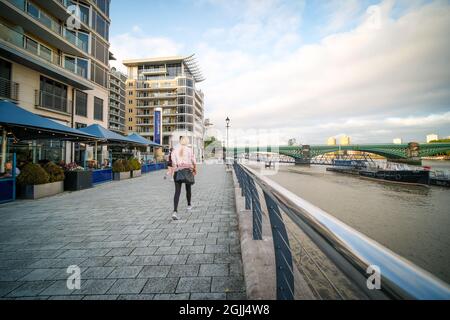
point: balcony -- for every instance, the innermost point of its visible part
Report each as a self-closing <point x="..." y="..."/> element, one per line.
<point x="37" y="57"/>
<point x="9" y="90"/>
<point x="38" y="23"/>
<point x="52" y="102"/>
<point x="152" y="71"/>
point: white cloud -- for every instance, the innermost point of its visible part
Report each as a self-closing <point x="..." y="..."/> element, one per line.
<point x="394" y="69"/>
<point x="135" y="45"/>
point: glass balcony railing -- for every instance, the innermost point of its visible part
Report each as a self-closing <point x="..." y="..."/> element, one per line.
<point x="18" y="39"/>
<point x="9" y="89"/>
<point x="38" y="15"/>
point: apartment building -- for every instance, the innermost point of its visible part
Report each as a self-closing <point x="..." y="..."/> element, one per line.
<point x="54" y="61"/>
<point x="162" y="101"/>
<point x="117" y="82"/>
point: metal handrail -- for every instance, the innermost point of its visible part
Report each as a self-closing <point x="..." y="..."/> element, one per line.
<point x="352" y="251"/>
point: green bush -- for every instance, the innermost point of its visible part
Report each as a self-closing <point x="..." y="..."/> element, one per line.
<point x="32" y="174"/>
<point x="127" y="165"/>
<point x="135" y="164"/>
<point x="118" y="166"/>
<point x="55" y="172"/>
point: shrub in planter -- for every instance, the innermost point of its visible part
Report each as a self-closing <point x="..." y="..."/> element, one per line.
<point x="118" y="166"/>
<point x="135" y="167"/>
<point x="135" y="164"/>
<point x="35" y="182"/>
<point x="127" y="165"/>
<point x="32" y="174"/>
<point x="55" y="172"/>
<point x="121" y="169"/>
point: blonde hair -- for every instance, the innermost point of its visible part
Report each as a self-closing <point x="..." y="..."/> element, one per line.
<point x="184" y="141"/>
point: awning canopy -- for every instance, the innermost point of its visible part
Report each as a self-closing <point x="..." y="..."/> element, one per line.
<point x="109" y="136"/>
<point x="140" y="139"/>
<point x="26" y="125"/>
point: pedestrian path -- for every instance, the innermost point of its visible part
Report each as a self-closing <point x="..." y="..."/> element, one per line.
<point x="125" y="243"/>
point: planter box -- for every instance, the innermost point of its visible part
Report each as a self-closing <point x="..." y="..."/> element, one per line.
<point x="78" y="180"/>
<point x="121" y="175"/>
<point x="41" y="190"/>
<point x="136" y="173"/>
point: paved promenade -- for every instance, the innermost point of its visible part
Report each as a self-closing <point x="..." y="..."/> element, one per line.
<point x="122" y="237"/>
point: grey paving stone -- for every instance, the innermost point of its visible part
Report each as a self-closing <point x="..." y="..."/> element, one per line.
<point x="227" y="284"/>
<point x="39" y="274"/>
<point x="13" y="274"/>
<point x="96" y="272"/>
<point x="168" y="250"/>
<point x="183" y="242"/>
<point x="8" y="286"/>
<point x="184" y="270"/>
<point x="154" y="272"/>
<point x="148" y="251"/>
<point x="216" y="248"/>
<point x="101" y="297"/>
<point x="95" y="287"/>
<point x="95" y="262"/>
<point x="194" y="284"/>
<point x="173" y="259"/>
<point x="119" y="252"/>
<point x="210" y="270"/>
<point x="200" y="258"/>
<point x="136" y="297"/>
<point x="148" y="260"/>
<point x="160" y="285"/>
<point x="121" y="261"/>
<point x="30" y="289"/>
<point x="208" y="296"/>
<point x="182" y="296"/>
<point x="205" y="241"/>
<point x="58" y="288"/>
<point x="236" y="296"/>
<point x="125" y="272"/>
<point x="192" y="249"/>
<point x="127" y="286"/>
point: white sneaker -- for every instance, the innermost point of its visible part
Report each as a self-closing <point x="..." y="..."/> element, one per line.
<point x="189" y="208"/>
<point x="175" y="216"/>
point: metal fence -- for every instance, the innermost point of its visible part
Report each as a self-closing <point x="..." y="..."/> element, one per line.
<point x="336" y="261"/>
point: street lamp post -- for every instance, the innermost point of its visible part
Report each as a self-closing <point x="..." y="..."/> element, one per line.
<point x="227" y="120"/>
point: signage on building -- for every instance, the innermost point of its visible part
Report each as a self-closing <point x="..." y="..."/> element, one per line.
<point x="157" y="134"/>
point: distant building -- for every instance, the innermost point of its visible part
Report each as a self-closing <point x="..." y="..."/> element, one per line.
<point x="331" y="141"/>
<point x="432" y="137"/>
<point x="345" y="141"/>
<point x="117" y="101"/>
<point x="397" y="141"/>
<point x="292" y="142"/>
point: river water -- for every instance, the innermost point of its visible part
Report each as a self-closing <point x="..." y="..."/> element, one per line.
<point x="413" y="221"/>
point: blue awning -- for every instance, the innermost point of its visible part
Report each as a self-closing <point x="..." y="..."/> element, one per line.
<point x="141" y="139"/>
<point x="26" y="125"/>
<point x="109" y="136"/>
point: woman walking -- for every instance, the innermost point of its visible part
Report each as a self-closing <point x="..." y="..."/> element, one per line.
<point x="185" y="168"/>
<point x="169" y="166"/>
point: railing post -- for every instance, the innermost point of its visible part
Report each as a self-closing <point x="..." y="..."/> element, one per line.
<point x="256" y="210"/>
<point x="283" y="255"/>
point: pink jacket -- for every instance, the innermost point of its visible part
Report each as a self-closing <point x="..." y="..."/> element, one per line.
<point x="182" y="157"/>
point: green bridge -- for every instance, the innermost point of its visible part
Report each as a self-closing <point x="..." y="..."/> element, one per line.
<point x="409" y="151"/>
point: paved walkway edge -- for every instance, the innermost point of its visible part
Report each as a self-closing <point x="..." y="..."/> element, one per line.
<point x="258" y="257"/>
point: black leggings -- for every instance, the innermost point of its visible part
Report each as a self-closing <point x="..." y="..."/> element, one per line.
<point x="176" y="198"/>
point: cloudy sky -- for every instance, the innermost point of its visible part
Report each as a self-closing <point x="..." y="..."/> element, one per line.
<point x="309" y="69"/>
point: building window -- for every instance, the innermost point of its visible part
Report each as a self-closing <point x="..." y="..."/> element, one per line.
<point x="80" y="125"/>
<point x="98" y="109"/>
<point x="130" y="128"/>
<point x="130" y="101"/>
<point x="130" y="119"/>
<point x="130" y="93"/>
<point x="130" y="110"/>
<point x="99" y="75"/>
<point x="76" y="65"/>
<point x="81" y="103"/>
<point x="53" y="95"/>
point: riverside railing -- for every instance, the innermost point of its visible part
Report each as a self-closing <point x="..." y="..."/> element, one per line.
<point x="355" y="255"/>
